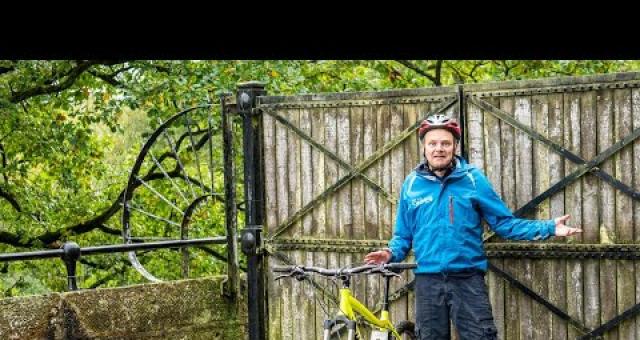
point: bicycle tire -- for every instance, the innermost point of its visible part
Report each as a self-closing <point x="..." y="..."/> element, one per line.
<point x="406" y="329"/>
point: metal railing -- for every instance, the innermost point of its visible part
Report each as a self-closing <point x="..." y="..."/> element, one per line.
<point x="70" y="252"/>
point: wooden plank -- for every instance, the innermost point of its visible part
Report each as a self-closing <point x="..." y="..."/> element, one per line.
<point x="507" y="150"/>
<point x="493" y="162"/>
<point x="384" y="135"/>
<point x="573" y="197"/>
<point x="493" y="153"/>
<point x="288" y="307"/>
<point x="398" y="309"/>
<point x="496" y="296"/>
<point x="413" y="113"/>
<point x="332" y="213"/>
<point x="282" y="169"/>
<point x="357" y="156"/>
<point x="524" y="190"/>
<point x="635" y="108"/>
<point x="357" y="198"/>
<point x="512" y="299"/>
<point x="319" y="214"/>
<point x="282" y="181"/>
<point x="540" y="284"/>
<point x="307" y="329"/>
<point x="476" y="136"/>
<point x="512" y="322"/>
<point x="608" y="303"/>
<point x="540" y="315"/>
<point x="383" y="118"/>
<point x="345" y="220"/>
<point x="331" y="171"/>
<point x="295" y="203"/>
<point x="271" y="205"/>
<point x="372" y="228"/>
<point x="590" y="226"/>
<point x="344" y="153"/>
<point x="624" y="210"/>
<point x="306" y="171"/>
<point x="557" y="267"/>
<point x="293" y="166"/>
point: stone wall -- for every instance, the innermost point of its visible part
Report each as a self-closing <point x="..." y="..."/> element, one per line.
<point x="185" y="309"/>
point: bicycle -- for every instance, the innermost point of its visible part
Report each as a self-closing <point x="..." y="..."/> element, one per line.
<point x="349" y="305"/>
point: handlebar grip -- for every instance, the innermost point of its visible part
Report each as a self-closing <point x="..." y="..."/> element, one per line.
<point x="401" y="266"/>
<point x="361" y="269"/>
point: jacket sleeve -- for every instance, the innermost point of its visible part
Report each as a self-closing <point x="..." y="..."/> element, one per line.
<point x="402" y="239"/>
<point x="502" y="221"/>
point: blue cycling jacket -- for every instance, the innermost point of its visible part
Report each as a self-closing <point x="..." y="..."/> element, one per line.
<point x="441" y="219"/>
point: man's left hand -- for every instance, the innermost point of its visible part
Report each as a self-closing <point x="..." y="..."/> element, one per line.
<point x="564" y="230"/>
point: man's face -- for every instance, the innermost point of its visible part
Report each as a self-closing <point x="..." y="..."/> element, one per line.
<point x="439" y="146"/>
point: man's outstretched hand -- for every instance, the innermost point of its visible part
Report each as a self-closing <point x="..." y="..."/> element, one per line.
<point x="564" y="230"/>
<point x="378" y="257"/>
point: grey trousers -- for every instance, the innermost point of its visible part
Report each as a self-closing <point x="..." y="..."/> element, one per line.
<point x="460" y="297"/>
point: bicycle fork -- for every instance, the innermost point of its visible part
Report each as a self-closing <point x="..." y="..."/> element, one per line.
<point x="347" y="306"/>
<point x="351" y="327"/>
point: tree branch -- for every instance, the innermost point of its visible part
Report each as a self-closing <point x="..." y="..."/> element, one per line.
<point x="457" y="74"/>
<point x="109" y="78"/>
<point x="12" y="200"/>
<point x="474" y="69"/>
<point x="6" y="69"/>
<point x="54" y="84"/>
<point x="416" y="69"/>
<point x="4" y="163"/>
<point x="108" y="230"/>
<point x="13" y="239"/>
<point x="507" y="67"/>
<point x="438" y="81"/>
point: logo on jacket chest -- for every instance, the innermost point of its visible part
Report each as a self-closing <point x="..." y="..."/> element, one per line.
<point x="420" y="201"/>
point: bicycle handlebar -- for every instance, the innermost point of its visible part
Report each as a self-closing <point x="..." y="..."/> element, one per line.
<point x="367" y="269"/>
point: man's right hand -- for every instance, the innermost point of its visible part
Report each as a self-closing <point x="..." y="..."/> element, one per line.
<point x="378" y="257"/>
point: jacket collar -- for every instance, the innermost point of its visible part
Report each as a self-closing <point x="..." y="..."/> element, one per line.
<point x="461" y="169"/>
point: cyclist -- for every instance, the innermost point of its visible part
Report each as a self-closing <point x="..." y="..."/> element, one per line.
<point x="441" y="204"/>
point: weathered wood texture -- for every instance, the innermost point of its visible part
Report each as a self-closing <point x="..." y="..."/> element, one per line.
<point x="584" y="116"/>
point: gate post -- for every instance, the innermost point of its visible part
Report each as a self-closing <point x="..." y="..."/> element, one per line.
<point x="463" y="117"/>
<point x="231" y="211"/>
<point x="254" y="204"/>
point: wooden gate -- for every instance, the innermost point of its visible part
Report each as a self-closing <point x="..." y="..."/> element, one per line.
<point x="334" y="165"/>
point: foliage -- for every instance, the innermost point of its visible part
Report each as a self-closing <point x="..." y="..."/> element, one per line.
<point x="70" y="132"/>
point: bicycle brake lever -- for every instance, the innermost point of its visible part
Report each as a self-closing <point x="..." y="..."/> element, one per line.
<point x="298" y="276"/>
<point x="280" y="277"/>
<point x="387" y="272"/>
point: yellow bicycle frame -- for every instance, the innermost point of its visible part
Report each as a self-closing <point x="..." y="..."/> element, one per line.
<point x="349" y="306"/>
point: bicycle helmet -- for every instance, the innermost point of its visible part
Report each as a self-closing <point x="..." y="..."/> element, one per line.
<point x="439" y="121"/>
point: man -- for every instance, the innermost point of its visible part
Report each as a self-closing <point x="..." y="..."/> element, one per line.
<point x="439" y="213"/>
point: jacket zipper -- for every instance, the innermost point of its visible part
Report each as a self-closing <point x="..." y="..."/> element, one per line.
<point x="451" y="209"/>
